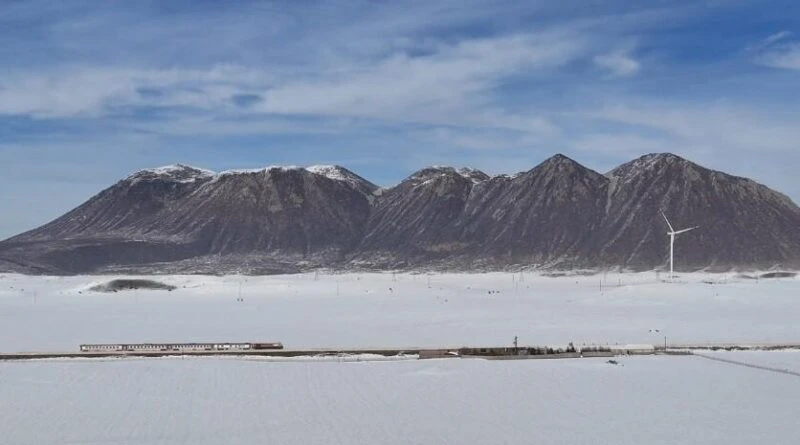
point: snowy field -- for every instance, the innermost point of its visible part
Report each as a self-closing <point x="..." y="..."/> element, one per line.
<point x="643" y="400"/>
<point x="400" y="310"/>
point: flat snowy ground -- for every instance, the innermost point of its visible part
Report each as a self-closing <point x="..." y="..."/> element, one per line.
<point x="400" y="310"/>
<point x="653" y="400"/>
<point x="192" y="401"/>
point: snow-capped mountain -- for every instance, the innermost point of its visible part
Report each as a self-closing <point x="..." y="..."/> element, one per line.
<point x="559" y="214"/>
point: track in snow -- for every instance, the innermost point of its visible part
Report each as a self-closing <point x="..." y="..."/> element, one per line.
<point x="748" y="365"/>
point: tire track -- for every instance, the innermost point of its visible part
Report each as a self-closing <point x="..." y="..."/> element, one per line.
<point x="749" y="365"/>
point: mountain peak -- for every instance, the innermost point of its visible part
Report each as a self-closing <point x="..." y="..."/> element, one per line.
<point x="471" y="174"/>
<point x="650" y="162"/>
<point x="560" y="163"/>
<point x="559" y="160"/>
<point x="339" y="173"/>
<point x="559" y="157"/>
<point x="174" y="172"/>
<point x="663" y="157"/>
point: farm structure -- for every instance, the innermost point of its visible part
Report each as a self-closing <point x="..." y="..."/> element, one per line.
<point x="188" y="347"/>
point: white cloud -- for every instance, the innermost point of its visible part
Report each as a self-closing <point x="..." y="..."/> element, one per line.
<point x="776" y="51"/>
<point x="785" y="56"/>
<point x="94" y="91"/>
<point x="618" y="63"/>
<point x="719" y="127"/>
<point x="776" y="37"/>
<point x="449" y="85"/>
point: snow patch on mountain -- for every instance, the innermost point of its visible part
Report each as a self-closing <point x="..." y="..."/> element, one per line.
<point x="177" y="172"/>
<point x="429" y="173"/>
<point x="642" y="164"/>
<point x="251" y="171"/>
<point x="336" y="173"/>
<point x="179" y="168"/>
<point x="473" y="174"/>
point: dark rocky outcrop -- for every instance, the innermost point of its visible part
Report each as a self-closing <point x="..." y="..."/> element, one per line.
<point x="124" y="284"/>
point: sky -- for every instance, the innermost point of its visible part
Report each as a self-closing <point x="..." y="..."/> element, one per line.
<point x="92" y="91"/>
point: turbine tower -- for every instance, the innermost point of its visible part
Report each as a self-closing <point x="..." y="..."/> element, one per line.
<point x="672" y="232"/>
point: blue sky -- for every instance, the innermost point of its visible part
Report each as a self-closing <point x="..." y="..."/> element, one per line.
<point x="92" y="91"/>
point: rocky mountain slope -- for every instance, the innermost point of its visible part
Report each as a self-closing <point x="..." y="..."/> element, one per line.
<point x="741" y="222"/>
<point x="179" y="213"/>
<point x="559" y="214"/>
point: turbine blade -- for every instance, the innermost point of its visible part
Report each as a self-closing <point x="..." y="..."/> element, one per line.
<point x="668" y="224"/>
<point x="686" y="230"/>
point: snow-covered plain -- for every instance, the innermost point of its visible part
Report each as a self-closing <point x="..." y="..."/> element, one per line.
<point x="643" y="400"/>
<point x="401" y="310"/>
<point x="252" y="400"/>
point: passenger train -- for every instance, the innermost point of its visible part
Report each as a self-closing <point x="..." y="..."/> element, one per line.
<point x="179" y="347"/>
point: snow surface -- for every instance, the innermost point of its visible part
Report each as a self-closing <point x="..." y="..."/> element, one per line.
<point x="329" y="171"/>
<point x="400" y="310"/>
<point x="643" y="400"/>
<point x="368" y="399"/>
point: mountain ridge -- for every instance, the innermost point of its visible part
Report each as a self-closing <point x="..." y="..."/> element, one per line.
<point x="558" y="214"/>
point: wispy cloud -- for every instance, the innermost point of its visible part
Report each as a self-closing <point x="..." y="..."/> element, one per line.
<point x="618" y="63"/>
<point x="786" y="56"/>
<point x="778" y="50"/>
<point x="776" y="37"/>
<point x="98" y="91"/>
<point x="448" y="84"/>
<point x="434" y="87"/>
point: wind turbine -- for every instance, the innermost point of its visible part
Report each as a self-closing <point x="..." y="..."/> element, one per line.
<point x="672" y="232"/>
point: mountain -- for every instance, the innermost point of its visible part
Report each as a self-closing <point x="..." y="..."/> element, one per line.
<point x="741" y="222"/>
<point x="546" y="216"/>
<point x="414" y="221"/>
<point x="558" y="215"/>
<point x="180" y="213"/>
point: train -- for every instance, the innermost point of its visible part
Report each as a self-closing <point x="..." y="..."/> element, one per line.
<point x="178" y="347"/>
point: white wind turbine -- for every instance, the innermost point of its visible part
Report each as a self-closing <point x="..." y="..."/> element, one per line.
<point x="672" y="232"/>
